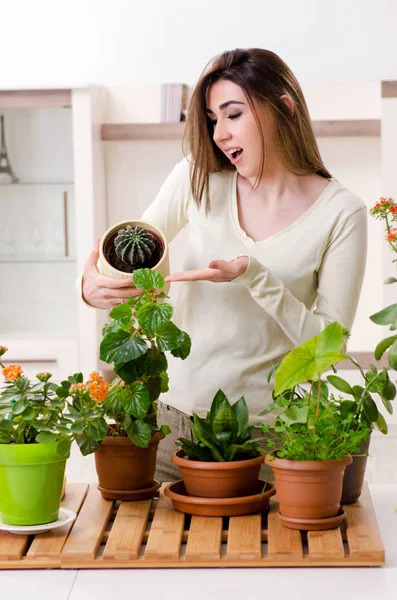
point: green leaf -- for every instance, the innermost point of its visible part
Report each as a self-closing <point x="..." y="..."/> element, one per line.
<point x="294" y="414"/>
<point x="381" y="424"/>
<point x="169" y="337"/>
<point x="123" y="324"/>
<point x="120" y="312"/>
<point x="310" y="359"/>
<point x="63" y="448"/>
<point x="241" y="412"/>
<point x="139" y="433"/>
<point x="114" y="401"/>
<point x="46" y="437"/>
<point x="19" y="406"/>
<point x="203" y="434"/>
<point x="340" y="384"/>
<point x="370" y="408"/>
<point x="390" y="280"/>
<point x="136" y="400"/>
<point x="6" y="424"/>
<point x="28" y="414"/>
<point x="164" y="382"/>
<point x="387" y="316"/>
<point x="152" y="315"/>
<point x="194" y="451"/>
<point x="120" y="347"/>
<point x="383" y="346"/>
<point x="184" y="349"/>
<point x="224" y="420"/>
<point x="389" y="391"/>
<point x="77" y="427"/>
<point x="392" y="356"/>
<point x="86" y="444"/>
<point x="242" y="451"/>
<point x="388" y="406"/>
<point x="165" y="429"/>
<point x="147" y="279"/>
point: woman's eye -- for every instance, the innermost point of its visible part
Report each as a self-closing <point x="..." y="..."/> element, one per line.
<point x="234" y="116"/>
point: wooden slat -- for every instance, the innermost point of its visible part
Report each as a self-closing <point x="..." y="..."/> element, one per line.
<point x="12" y="547"/>
<point x="142" y="131"/>
<point x="85" y="538"/>
<point x="345" y="128"/>
<point x="389" y="89"/>
<point x="35" y="98"/>
<point x="362" y="531"/>
<point x="165" y="535"/>
<point x="326" y="545"/>
<point x="282" y="543"/>
<point x="245" y="538"/>
<point x="174" y="131"/>
<point x="205" y="538"/>
<point x="48" y="546"/>
<point x="127" y="532"/>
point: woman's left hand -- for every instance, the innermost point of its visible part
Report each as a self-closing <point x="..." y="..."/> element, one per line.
<point x="217" y="271"/>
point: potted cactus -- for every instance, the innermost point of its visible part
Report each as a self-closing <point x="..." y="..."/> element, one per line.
<point x="131" y="245"/>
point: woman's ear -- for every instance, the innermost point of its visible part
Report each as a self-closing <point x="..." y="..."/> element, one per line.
<point x="289" y="103"/>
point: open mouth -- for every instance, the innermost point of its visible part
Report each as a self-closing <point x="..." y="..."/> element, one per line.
<point x="234" y="154"/>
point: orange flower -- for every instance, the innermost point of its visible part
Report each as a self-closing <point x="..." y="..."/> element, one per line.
<point x="392" y="235"/>
<point x="97" y="387"/>
<point x="77" y="387"/>
<point x="12" y="372"/>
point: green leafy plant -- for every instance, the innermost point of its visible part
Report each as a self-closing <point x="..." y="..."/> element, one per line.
<point x="136" y="340"/>
<point x="313" y="423"/>
<point x="224" y="435"/>
<point x="134" y="246"/>
<point x="30" y="411"/>
<point x="386" y="210"/>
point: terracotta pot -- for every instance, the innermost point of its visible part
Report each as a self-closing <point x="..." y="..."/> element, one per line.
<point x="162" y="266"/>
<point x="308" y="489"/>
<point x="121" y="465"/>
<point x="354" y="474"/>
<point x="219" y="479"/>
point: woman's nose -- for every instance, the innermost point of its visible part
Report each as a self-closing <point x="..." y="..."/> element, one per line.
<point x="221" y="133"/>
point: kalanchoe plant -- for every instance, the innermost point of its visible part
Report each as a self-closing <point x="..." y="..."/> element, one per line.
<point x="85" y="411"/>
<point x="314" y="424"/>
<point x="224" y="435"/>
<point x="386" y="210"/>
<point x="31" y="412"/>
<point x="136" y="341"/>
<point x="134" y="246"/>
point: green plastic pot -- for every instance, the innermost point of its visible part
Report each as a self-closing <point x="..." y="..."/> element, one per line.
<point x="31" y="477"/>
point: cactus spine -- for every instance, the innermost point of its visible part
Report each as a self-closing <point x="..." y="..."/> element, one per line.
<point x="134" y="245"/>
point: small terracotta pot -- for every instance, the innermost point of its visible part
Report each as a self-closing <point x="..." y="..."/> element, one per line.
<point x="308" y="489"/>
<point x="162" y="266"/>
<point x="219" y="479"/>
<point x="121" y="465"/>
<point x="354" y="474"/>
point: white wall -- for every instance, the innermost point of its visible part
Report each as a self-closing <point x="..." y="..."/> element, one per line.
<point x="127" y="42"/>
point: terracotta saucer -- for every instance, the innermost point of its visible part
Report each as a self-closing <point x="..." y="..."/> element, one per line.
<point x="142" y="494"/>
<point x="313" y="524"/>
<point x="219" y="507"/>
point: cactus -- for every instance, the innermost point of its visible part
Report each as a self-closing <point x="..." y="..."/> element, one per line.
<point x="134" y="246"/>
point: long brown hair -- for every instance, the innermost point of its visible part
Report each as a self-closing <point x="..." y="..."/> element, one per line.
<point x="264" y="77"/>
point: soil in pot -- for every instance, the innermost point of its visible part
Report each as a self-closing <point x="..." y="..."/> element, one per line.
<point x="219" y="479"/>
<point x="123" y="466"/>
<point x="116" y="262"/>
<point x="354" y="475"/>
<point x="309" y="489"/>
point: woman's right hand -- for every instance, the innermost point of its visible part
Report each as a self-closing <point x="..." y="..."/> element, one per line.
<point x="101" y="291"/>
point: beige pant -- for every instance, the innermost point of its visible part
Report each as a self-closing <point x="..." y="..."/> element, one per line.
<point x="179" y="423"/>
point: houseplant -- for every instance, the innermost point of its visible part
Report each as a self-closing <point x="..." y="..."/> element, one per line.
<point x="135" y="341"/>
<point x="316" y="433"/>
<point x="131" y="245"/>
<point x="386" y="210"/>
<point x="35" y="439"/>
<point x="222" y="460"/>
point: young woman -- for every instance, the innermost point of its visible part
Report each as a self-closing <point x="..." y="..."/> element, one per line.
<point x="276" y="248"/>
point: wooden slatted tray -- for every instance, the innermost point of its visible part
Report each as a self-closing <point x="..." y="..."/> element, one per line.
<point x="151" y="534"/>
